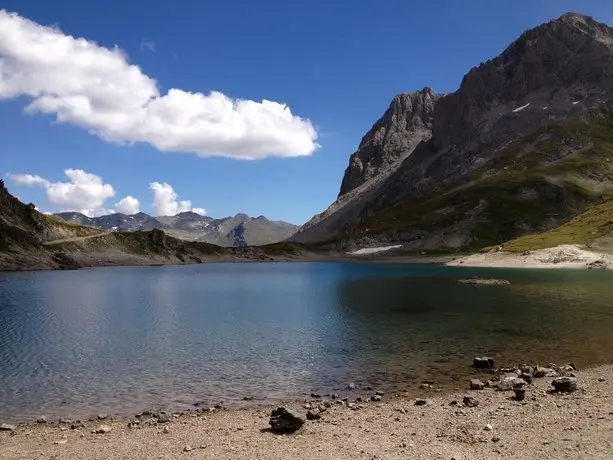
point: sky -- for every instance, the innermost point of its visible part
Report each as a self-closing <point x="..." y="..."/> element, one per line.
<point x="223" y="107"/>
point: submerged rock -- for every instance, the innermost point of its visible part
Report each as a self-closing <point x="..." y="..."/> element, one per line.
<point x="565" y="384"/>
<point x="284" y="422"/>
<point x="484" y="281"/>
<point x="483" y="363"/>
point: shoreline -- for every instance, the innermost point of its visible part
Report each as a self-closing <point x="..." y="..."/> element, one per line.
<point x="544" y="424"/>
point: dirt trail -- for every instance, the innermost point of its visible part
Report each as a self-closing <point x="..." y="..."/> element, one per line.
<point x="74" y="239"/>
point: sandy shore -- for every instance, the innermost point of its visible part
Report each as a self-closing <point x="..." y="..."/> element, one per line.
<point x="577" y="425"/>
<point x="564" y="256"/>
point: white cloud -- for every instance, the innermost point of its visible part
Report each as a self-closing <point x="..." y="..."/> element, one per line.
<point x="82" y="83"/>
<point x="84" y="192"/>
<point x="147" y="44"/>
<point x="128" y="205"/>
<point x="165" y="201"/>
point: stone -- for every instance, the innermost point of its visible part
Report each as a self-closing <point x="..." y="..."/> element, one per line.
<point x="187" y="448"/>
<point x="483" y="363"/>
<point x="42" y="419"/>
<point x="282" y="421"/>
<point x="103" y="429"/>
<point x="61" y="441"/>
<point x="495" y="439"/>
<point x="488" y="427"/>
<point x="379" y="393"/>
<point x="421" y="402"/>
<point x="541" y="372"/>
<point x="315" y="395"/>
<point x="469" y="401"/>
<point x="248" y="398"/>
<point x="509" y="382"/>
<point x="484" y="281"/>
<point x="102" y="416"/>
<point x="351" y="386"/>
<point x="476" y="384"/>
<point x="162" y="417"/>
<point x="520" y="394"/>
<point x="375" y="398"/>
<point x="313" y="415"/>
<point x="307" y="406"/>
<point x="7" y="427"/>
<point x="565" y="384"/>
<point x="424" y="386"/>
<point x="166" y="429"/>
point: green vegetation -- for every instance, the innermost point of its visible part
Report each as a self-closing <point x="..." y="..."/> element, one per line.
<point x="531" y="185"/>
<point x="595" y="223"/>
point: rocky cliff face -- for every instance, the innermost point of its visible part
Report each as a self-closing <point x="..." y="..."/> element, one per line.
<point x="404" y="125"/>
<point x="524" y="144"/>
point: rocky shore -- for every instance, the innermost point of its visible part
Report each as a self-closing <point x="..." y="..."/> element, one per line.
<point x="522" y="412"/>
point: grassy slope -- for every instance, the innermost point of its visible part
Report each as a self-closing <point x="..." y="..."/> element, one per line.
<point x="534" y="183"/>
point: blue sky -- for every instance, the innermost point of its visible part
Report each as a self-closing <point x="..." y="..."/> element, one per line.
<point x="336" y="63"/>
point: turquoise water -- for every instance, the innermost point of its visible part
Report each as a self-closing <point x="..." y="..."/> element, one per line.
<point x="121" y="340"/>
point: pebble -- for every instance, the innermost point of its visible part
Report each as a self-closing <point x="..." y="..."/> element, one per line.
<point x="166" y="429"/>
<point x="102" y="429"/>
<point x="495" y="439"/>
<point x="424" y="386"/>
<point x="420" y="402"/>
<point x="187" y="449"/>
<point x="379" y="393"/>
<point x="351" y="386"/>
<point x="42" y="419"/>
<point x="61" y="441"/>
<point x="102" y="416"/>
<point x="375" y="398"/>
<point x="469" y="401"/>
<point x="488" y="427"/>
<point x="7" y="427"/>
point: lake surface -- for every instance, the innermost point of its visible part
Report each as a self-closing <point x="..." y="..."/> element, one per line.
<point x="121" y="340"/>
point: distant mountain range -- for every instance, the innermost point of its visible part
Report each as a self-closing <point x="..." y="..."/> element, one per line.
<point x="237" y="231"/>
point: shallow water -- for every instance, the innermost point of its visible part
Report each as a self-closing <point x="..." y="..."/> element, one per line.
<point x="121" y="340"/>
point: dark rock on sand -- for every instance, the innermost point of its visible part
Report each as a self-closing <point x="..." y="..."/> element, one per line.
<point x="282" y="421"/>
<point x="520" y="394"/>
<point x="565" y="384"/>
<point x="313" y="415"/>
<point x="469" y="401"/>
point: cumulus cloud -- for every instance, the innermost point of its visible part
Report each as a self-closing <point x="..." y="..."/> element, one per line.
<point x="165" y="201"/>
<point x="84" y="192"/>
<point x="96" y="88"/>
<point x="128" y="205"/>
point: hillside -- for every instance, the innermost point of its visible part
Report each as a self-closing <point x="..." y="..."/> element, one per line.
<point x="234" y="231"/>
<point x="30" y="240"/>
<point x="523" y="146"/>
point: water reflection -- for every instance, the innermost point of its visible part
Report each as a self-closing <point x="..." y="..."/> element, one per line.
<point x="125" y="339"/>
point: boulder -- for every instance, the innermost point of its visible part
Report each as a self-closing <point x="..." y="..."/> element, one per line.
<point x="565" y="384"/>
<point x="282" y="421"/>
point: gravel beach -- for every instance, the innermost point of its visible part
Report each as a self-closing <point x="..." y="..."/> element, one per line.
<point x="573" y="425"/>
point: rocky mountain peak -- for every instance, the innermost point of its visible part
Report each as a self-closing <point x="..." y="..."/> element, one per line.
<point x="405" y="124"/>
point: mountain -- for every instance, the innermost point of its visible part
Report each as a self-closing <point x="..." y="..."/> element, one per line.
<point x="30" y="240"/>
<point x="524" y="145"/>
<point x="239" y="230"/>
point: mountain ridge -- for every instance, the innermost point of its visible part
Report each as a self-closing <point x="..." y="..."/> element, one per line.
<point x="191" y="226"/>
<point x="531" y="122"/>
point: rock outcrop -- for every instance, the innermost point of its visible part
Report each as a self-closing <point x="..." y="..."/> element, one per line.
<point x="404" y="125"/>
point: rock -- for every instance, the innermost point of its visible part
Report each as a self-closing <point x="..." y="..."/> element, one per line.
<point x="601" y="379"/>
<point x="483" y="363"/>
<point x="421" y="402"/>
<point x="565" y="384"/>
<point x="476" y="384"/>
<point x="163" y="417"/>
<point x="315" y="395"/>
<point x="166" y="429"/>
<point x="379" y="393"/>
<point x="248" y="398"/>
<point x="495" y="439"/>
<point x="424" y="386"/>
<point x="488" y="427"/>
<point x="7" y="427"/>
<point x="520" y="394"/>
<point x="484" y="281"/>
<point x="284" y="422"/>
<point x="102" y="416"/>
<point x="42" y="419"/>
<point x="61" y="441"/>
<point x="375" y="398"/>
<point x="507" y="383"/>
<point x="307" y="406"/>
<point x="351" y="386"/>
<point x="541" y="372"/>
<point x="66" y="421"/>
<point x="313" y="415"/>
<point x="469" y="401"/>
<point x="187" y="448"/>
<point x="103" y="429"/>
